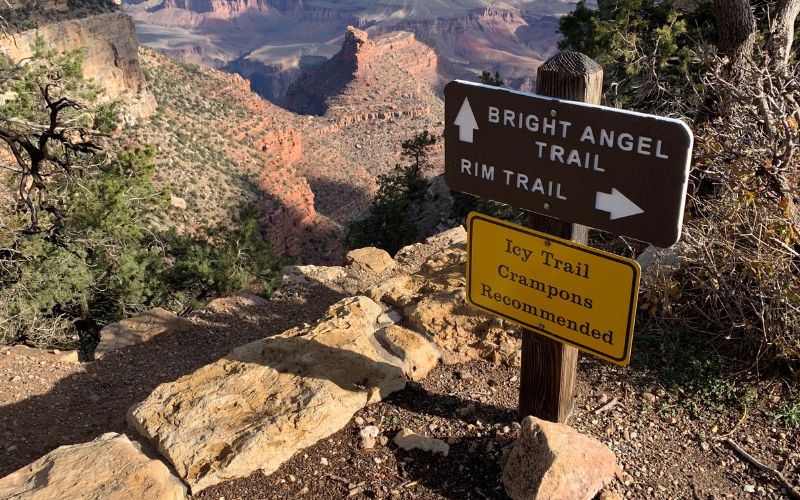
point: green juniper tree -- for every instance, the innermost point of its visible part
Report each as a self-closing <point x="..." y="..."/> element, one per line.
<point x="78" y="243"/>
<point x="389" y="221"/>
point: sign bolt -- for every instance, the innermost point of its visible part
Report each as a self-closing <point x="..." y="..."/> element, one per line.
<point x="553" y="113"/>
<point x="541" y="325"/>
<point x="547" y="206"/>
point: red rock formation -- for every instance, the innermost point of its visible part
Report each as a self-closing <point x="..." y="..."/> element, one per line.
<point x="313" y="173"/>
<point x="216" y="6"/>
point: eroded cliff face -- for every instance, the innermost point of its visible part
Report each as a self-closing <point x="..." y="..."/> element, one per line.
<point x="223" y="7"/>
<point x="111" y="56"/>
<point x="507" y="40"/>
<point x="513" y="37"/>
<point x="221" y="144"/>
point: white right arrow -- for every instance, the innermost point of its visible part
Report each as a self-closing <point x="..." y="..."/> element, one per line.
<point x="616" y="204"/>
<point x="465" y="121"/>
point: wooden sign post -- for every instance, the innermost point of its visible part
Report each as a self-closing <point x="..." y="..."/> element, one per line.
<point x="549" y="368"/>
<point x="563" y="157"/>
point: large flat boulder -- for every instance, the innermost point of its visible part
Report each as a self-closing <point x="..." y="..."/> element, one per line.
<point x="253" y="409"/>
<point x="554" y="461"/>
<point x="109" y="468"/>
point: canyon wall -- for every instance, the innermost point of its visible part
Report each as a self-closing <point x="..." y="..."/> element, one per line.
<point x="111" y="55"/>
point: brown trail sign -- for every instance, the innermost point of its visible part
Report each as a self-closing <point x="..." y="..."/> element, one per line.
<point x="615" y="170"/>
<point x="570" y="160"/>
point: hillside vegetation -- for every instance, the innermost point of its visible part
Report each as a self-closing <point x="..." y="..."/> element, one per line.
<point x="733" y="75"/>
<point x="82" y="238"/>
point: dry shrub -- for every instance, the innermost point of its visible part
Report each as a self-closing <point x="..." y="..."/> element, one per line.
<point x="738" y="284"/>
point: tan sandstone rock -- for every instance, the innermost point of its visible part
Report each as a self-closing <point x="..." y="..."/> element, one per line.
<point x="235" y="303"/>
<point x="410" y="440"/>
<point x="31" y="353"/>
<point x="418" y="356"/>
<point x="371" y="259"/>
<point x="434" y="303"/>
<point x="554" y="461"/>
<point x="312" y="275"/>
<point x="253" y="409"/>
<point x="398" y="291"/>
<point x="140" y="329"/>
<point x="110" y="467"/>
<point x="111" y="58"/>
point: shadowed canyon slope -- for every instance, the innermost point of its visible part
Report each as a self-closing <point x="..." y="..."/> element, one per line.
<point x="219" y="143"/>
<point x="271" y="42"/>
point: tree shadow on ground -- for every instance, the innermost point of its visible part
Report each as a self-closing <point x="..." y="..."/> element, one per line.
<point x="90" y="403"/>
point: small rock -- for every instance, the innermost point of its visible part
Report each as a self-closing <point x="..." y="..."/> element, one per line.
<point x="370" y="431"/>
<point x="177" y="202"/>
<point x="469" y="411"/>
<point x="323" y="461"/>
<point x="369" y="437"/>
<point x="465" y="376"/>
<point x="749" y="488"/>
<point x="705" y="446"/>
<point x="359" y="421"/>
<point x="610" y="495"/>
<point x="292" y="478"/>
<point x="16" y="379"/>
<point x="555" y="461"/>
<point x="370" y="259"/>
<point x="649" y="397"/>
<point x="409" y="440"/>
<point x="383" y="440"/>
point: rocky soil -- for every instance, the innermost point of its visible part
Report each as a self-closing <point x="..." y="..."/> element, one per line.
<point x="668" y="417"/>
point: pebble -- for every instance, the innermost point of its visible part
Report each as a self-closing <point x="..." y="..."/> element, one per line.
<point x="465" y="376"/>
<point x="359" y="421"/>
<point x="749" y="488"/>
<point x="323" y="461"/>
<point x="649" y="397"/>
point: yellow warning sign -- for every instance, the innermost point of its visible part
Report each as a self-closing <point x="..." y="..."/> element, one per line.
<point x="569" y="292"/>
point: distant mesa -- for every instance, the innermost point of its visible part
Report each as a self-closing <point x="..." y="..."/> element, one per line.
<point x="309" y="94"/>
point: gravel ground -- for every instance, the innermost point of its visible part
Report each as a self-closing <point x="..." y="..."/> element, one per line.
<point x="667" y="432"/>
<point x="43" y="406"/>
<point x="473" y="407"/>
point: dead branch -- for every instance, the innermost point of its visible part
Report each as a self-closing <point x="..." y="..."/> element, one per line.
<point x="763" y="467"/>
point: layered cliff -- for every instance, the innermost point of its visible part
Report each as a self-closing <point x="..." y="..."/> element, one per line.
<point x="110" y="55"/>
<point x="512" y="37"/>
<point x="220" y="144"/>
<point x="371" y="96"/>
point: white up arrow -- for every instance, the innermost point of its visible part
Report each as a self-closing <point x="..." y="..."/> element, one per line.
<point x="616" y="204"/>
<point x="465" y="121"/>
